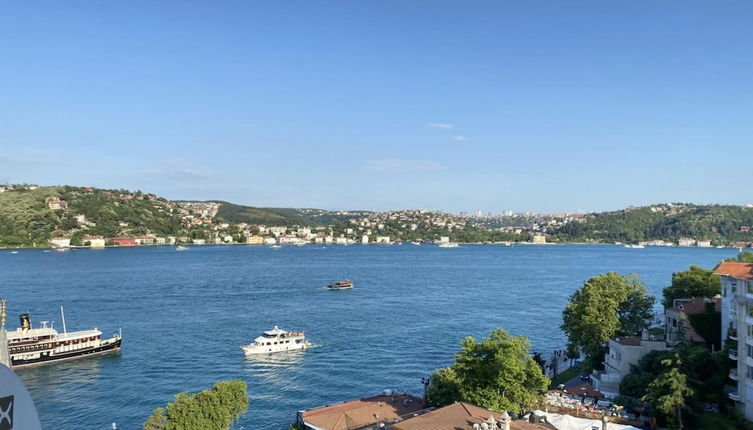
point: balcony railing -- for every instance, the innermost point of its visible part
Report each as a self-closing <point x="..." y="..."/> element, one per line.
<point x="734" y="396"/>
<point x="733" y="354"/>
<point x="733" y="374"/>
<point x="732" y="333"/>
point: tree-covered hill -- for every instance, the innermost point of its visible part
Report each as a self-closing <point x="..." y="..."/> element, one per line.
<point x="670" y="222"/>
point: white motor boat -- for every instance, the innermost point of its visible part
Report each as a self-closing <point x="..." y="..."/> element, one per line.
<point x="277" y="340"/>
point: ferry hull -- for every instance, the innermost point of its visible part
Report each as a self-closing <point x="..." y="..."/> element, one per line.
<point x="249" y="350"/>
<point x="71" y="355"/>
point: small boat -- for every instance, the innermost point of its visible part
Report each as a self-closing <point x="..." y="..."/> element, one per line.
<point x="182" y="248"/>
<point x="276" y="246"/>
<point x="634" y="246"/>
<point x="448" y="245"/>
<point x="277" y="340"/>
<point x="416" y="243"/>
<point x="341" y="285"/>
<point x="14" y="252"/>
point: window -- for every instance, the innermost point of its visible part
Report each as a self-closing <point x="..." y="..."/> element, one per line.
<point x="749" y="350"/>
<point x="750" y="287"/>
<point x="750" y="331"/>
<point x="749" y="372"/>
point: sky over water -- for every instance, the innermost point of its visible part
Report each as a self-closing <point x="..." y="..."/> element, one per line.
<point x="529" y="106"/>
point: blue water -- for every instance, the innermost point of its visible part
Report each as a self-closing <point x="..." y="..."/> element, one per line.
<point x="184" y="316"/>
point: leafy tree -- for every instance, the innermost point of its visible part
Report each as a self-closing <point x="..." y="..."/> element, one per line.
<point x="743" y="257"/>
<point x="694" y="282"/>
<point x="668" y="392"/>
<point x="607" y="305"/>
<point x="213" y="409"/>
<point x="496" y="373"/>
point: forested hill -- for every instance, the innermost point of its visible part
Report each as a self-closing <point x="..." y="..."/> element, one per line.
<point x="669" y="222"/>
<point x="282" y="216"/>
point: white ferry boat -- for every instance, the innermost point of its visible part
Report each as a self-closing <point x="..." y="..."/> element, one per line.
<point x="29" y="346"/>
<point x="276" y="340"/>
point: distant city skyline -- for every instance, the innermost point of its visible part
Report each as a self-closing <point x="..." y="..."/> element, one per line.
<point x="542" y="107"/>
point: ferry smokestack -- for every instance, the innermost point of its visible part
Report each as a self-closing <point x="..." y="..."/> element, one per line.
<point x="25" y="322"/>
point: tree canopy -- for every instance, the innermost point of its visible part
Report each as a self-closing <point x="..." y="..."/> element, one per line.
<point x="694" y="282"/>
<point x="607" y="305"/>
<point x="496" y="373"/>
<point x="667" y="393"/>
<point x="213" y="409"/>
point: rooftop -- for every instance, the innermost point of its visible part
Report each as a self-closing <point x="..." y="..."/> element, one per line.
<point x="460" y="416"/>
<point x="697" y="306"/>
<point x="735" y="269"/>
<point x="357" y="414"/>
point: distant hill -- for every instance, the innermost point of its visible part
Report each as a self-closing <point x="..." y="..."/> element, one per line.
<point x="671" y="222"/>
<point x="281" y="216"/>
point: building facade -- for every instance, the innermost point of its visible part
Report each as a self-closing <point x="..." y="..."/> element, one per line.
<point x="623" y="352"/>
<point x="737" y="329"/>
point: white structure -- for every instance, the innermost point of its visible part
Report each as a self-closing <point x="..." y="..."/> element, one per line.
<point x="623" y="352"/>
<point x="539" y="238"/>
<point x="60" y="242"/>
<point x="737" y="328"/>
<point x="383" y="239"/>
<point x="444" y="239"/>
<point x="686" y="242"/>
<point x="276" y="340"/>
<point x="365" y="239"/>
<point x="703" y="244"/>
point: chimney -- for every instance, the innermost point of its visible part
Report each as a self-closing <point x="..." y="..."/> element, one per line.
<point x="505" y="420"/>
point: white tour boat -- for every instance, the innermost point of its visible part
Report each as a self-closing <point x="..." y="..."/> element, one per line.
<point x="276" y="340"/>
<point x="448" y="245"/>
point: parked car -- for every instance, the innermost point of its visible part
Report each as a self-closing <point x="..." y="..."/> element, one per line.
<point x="585" y="376"/>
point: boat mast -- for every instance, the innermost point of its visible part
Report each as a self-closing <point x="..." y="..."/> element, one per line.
<point x="4" y="355"/>
<point x="62" y="315"/>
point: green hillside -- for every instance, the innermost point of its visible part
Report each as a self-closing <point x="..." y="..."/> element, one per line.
<point x="717" y="223"/>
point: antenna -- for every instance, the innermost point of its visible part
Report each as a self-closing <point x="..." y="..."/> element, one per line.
<point x="62" y="315"/>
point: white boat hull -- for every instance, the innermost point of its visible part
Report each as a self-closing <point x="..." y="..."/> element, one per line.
<point x="270" y="349"/>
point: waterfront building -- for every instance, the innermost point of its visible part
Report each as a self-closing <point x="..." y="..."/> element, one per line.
<point x="372" y="412"/>
<point x="463" y="415"/>
<point x="60" y="242"/>
<point x="254" y="240"/>
<point x="539" y="238"/>
<point x="94" y="241"/>
<point x="737" y="329"/>
<point x="365" y="239"/>
<point x="685" y="241"/>
<point x="383" y="239"/>
<point x="623" y="352"/>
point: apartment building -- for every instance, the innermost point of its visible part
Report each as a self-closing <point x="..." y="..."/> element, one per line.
<point x="737" y="328"/>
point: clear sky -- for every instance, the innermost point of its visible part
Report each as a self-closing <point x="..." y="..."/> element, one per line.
<point x="542" y="106"/>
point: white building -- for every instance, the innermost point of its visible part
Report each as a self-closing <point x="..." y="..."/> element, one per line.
<point x="365" y="239"/>
<point x="686" y="242"/>
<point x="737" y="329"/>
<point x="60" y="242"/>
<point x="623" y="352"/>
<point x="539" y="238"/>
<point x="383" y="239"/>
<point x="444" y="239"/>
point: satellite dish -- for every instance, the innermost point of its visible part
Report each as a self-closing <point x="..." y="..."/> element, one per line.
<point x="17" y="410"/>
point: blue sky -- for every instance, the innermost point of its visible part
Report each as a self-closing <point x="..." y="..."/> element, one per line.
<point x="542" y="106"/>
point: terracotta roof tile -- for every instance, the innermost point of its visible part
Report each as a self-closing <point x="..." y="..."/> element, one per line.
<point x="461" y="416"/>
<point x="364" y="412"/>
<point x="735" y="269"/>
<point x="697" y="306"/>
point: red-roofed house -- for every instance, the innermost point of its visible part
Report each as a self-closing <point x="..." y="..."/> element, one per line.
<point x="123" y="241"/>
<point x="679" y="313"/>
<point x="463" y="416"/>
<point x="361" y="414"/>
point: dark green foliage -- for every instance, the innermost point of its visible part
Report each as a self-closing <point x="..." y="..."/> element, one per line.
<point x="496" y="373"/>
<point x="694" y="282"/>
<point x="213" y="409"/>
<point x="743" y="257"/>
<point x="720" y="224"/>
<point x="667" y="393"/>
<point x="709" y="326"/>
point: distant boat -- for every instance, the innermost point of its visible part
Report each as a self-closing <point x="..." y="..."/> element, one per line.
<point x="416" y="243"/>
<point x="276" y="246"/>
<point x="634" y="246"/>
<point x="14" y="252"/>
<point x="182" y="248"/>
<point x="341" y="285"/>
<point x="448" y="245"/>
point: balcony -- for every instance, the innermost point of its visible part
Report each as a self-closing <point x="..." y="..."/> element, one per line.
<point x="733" y="355"/>
<point x="733" y="375"/>
<point x="734" y="396"/>
<point x="732" y="333"/>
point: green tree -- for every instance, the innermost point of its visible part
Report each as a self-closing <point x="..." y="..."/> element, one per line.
<point x="668" y="392"/>
<point x="213" y="409"/>
<point x="496" y="373"/>
<point x="694" y="282"/>
<point x="607" y="305"/>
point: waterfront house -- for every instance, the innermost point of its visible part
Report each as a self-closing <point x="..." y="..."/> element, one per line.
<point x="93" y="241"/>
<point x="254" y="240"/>
<point x="123" y="241"/>
<point x="464" y="416"/>
<point x="677" y="315"/>
<point x="376" y="412"/>
<point x="623" y="352"/>
<point x="737" y="329"/>
<point x="60" y="242"/>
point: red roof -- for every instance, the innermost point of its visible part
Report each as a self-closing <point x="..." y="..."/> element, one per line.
<point x="697" y="306"/>
<point x="362" y="413"/>
<point x="735" y="270"/>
